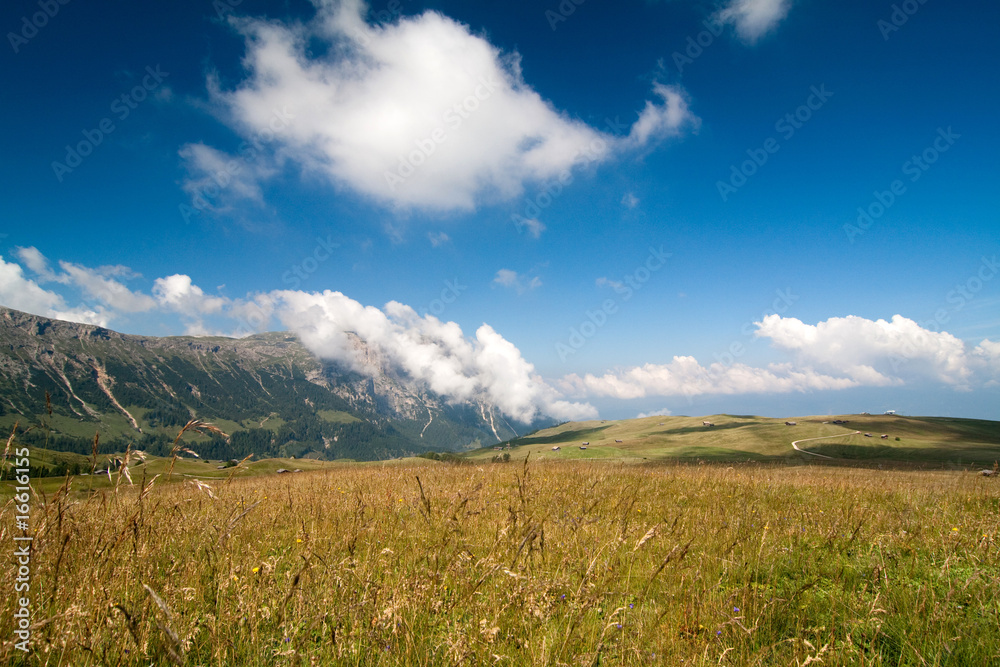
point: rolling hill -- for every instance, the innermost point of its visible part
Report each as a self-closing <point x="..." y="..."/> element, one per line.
<point x="931" y="440"/>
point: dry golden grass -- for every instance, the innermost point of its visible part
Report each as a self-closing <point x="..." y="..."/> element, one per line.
<point x="571" y="563"/>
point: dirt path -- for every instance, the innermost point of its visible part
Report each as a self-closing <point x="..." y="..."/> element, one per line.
<point x="795" y="444"/>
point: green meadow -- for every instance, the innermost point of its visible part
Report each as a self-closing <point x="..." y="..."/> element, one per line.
<point x="653" y="551"/>
<point x="911" y="440"/>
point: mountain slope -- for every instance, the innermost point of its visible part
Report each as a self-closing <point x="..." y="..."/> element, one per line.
<point x="268" y="390"/>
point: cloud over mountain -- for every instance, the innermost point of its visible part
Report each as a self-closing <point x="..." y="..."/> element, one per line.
<point x="485" y="368"/>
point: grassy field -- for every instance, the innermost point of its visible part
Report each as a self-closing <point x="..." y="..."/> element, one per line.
<point x="912" y="440"/>
<point x="538" y="563"/>
<point x="337" y="417"/>
<point x="186" y="468"/>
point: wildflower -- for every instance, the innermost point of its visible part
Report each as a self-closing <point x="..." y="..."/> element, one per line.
<point x="299" y="540"/>
<point x="256" y="570"/>
<point x="736" y="610"/>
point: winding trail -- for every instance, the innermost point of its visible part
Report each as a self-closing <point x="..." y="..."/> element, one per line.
<point x="795" y="444"/>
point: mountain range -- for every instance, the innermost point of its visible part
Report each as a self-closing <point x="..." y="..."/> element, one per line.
<point x="270" y="394"/>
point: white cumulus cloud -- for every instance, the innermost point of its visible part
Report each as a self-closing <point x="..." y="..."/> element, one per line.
<point x="871" y="351"/>
<point x="179" y="293"/>
<point x="418" y="113"/>
<point x="838" y="353"/>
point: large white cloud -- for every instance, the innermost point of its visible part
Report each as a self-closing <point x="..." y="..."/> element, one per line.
<point x="838" y="353"/>
<point x="419" y="113"/>
<point x="872" y="350"/>
<point x="754" y="18"/>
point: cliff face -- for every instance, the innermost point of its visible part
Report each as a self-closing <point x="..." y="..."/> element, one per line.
<point x="139" y="384"/>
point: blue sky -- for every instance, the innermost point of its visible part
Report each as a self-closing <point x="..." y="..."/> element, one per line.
<point x="768" y="206"/>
